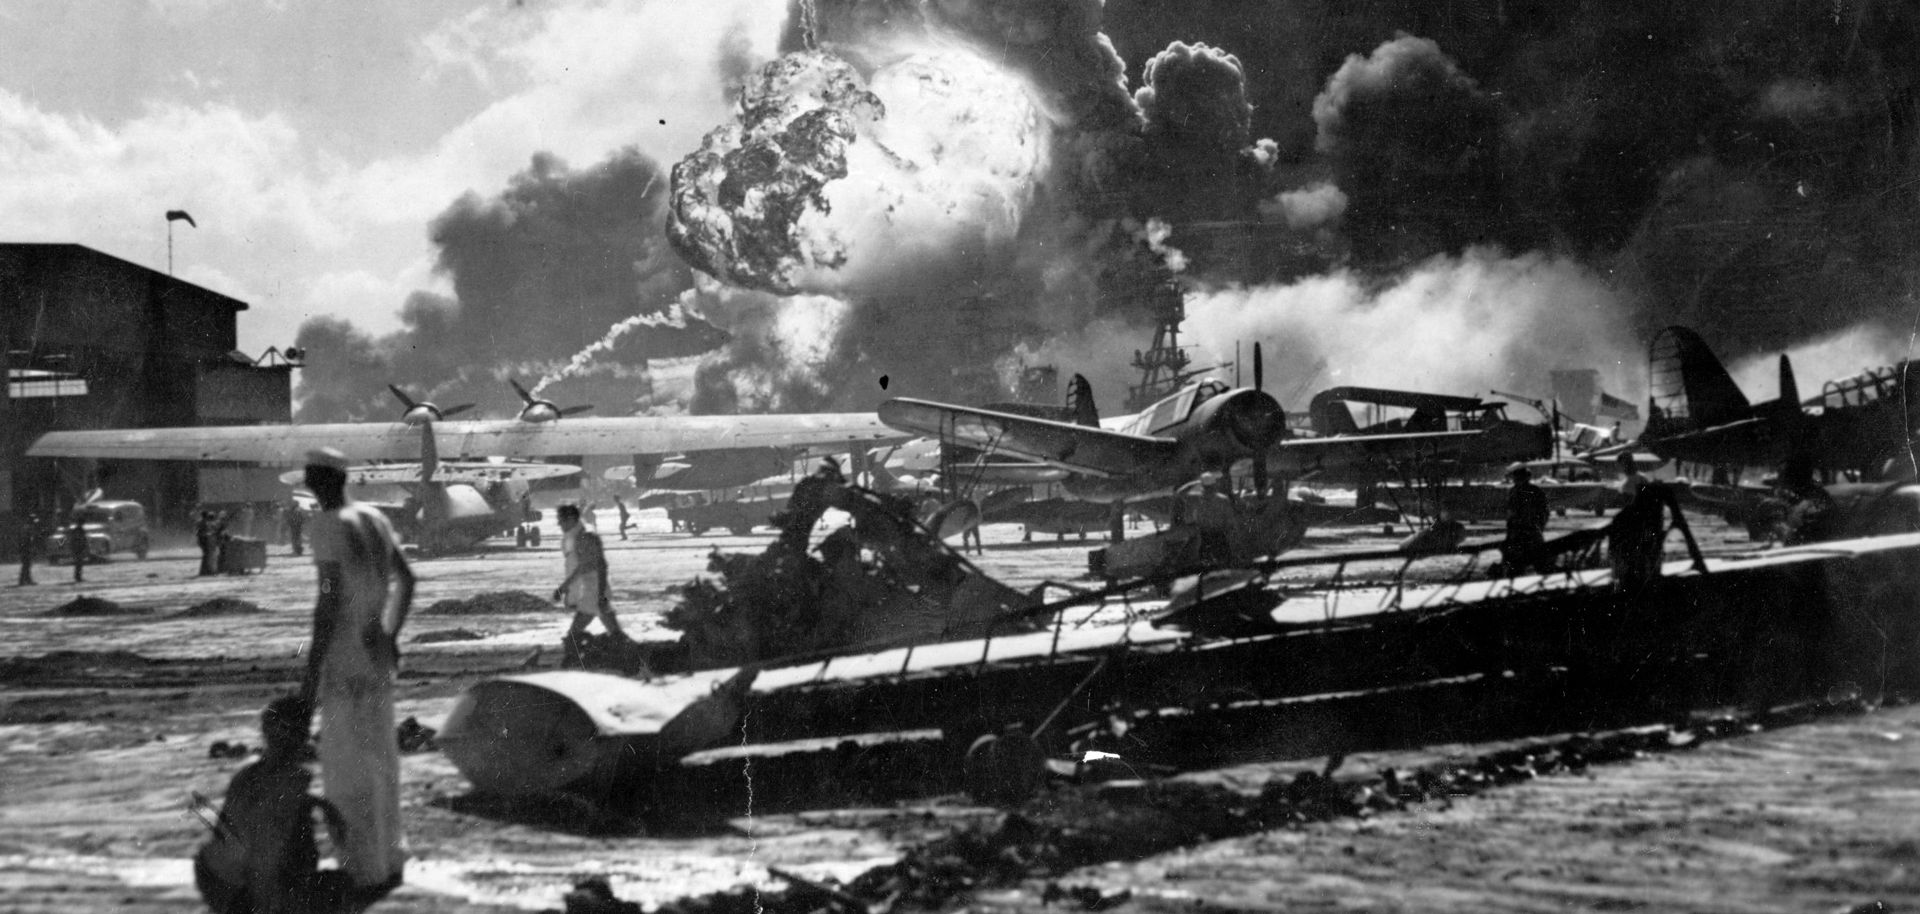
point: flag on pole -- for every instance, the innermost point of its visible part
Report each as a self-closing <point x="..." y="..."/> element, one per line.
<point x="174" y="215"/>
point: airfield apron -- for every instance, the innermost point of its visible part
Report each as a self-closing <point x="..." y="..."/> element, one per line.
<point x="359" y="754"/>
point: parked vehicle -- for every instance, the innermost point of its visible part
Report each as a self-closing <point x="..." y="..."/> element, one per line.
<point x="111" y="526"/>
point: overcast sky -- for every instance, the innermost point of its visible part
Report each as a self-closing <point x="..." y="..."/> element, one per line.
<point x="313" y="140"/>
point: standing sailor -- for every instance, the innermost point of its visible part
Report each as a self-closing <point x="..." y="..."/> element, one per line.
<point x="366" y="589"/>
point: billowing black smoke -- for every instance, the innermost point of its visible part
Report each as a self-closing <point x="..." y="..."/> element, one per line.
<point x="1746" y="167"/>
<point x="1198" y="161"/>
<point x="539" y="273"/>
<point x="1751" y="168"/>
<point x="1414" y="143"/>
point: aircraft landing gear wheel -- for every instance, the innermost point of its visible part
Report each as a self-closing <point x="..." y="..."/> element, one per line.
<point x="533" y="536"/>
<point x="1003" y="768"/>
<point x="140" y="547"/>
<point x="519" y="537"/>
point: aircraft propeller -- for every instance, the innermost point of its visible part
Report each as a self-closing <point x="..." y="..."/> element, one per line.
<point x="418" y="411"/>
<point x="538" y="410"/>
<point x="1259" y="460"/>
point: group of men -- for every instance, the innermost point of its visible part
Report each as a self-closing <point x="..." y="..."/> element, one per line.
<point x="32" y="533"/>
<point x="262" y="856"/>
<point x="1634" y="539"/>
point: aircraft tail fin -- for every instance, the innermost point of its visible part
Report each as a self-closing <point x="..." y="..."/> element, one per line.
<point x="1690" y="389"/>
<point x="1789" y="389"/>
<point x="1080" y="402"/>
<point x="1330" y="415"/>
<point x="879" y="478"/>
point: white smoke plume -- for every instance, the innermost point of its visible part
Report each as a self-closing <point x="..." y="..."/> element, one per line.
<point x="1314" y="207"/>
<point x="1460" y="325"/>
<point x="675" y="316"/>
<point x="1815" y="362"/>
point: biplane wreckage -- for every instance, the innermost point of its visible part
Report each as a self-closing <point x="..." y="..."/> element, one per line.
<point x="1243" y="662"/>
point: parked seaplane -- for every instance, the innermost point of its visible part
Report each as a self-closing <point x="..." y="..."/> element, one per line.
<point x="454" y="505"/>
<point x="472" y="454"/>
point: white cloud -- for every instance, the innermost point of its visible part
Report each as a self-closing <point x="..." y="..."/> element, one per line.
<point x="288" y="225"/>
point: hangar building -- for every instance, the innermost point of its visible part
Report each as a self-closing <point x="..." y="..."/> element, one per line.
<point x="92" y="341"/>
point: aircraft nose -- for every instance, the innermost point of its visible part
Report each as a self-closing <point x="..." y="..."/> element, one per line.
<point x="1255" y="419"/>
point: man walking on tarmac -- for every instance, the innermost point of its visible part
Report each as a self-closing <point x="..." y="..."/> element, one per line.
<point x="206" y="534"/>
<point x="29" y="543"/>
<point x="366" y="589"/>
<point x="77" y="550"/>
<point x="585" y="588"/>
<point x="1526" y="544"/>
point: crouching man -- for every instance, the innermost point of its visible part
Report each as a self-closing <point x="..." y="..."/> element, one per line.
<point x="261" y="858"/>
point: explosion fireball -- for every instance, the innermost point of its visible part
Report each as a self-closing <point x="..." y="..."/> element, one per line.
<point x="830" y="178"/>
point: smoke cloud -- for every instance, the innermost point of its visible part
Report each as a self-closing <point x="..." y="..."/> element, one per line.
<point x="1382" y="194"/>
<point x="1198" y="161"/>
<point x="538" y="273"/>
<point x="1414" y="143"/>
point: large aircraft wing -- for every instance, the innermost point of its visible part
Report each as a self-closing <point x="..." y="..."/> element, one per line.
<point x="1300" y="456"/>
<point x="1081" y="448"/>
<point x="575" y="436"/>
<point x="1502" y="443"/>
<point x="466" y="472"/>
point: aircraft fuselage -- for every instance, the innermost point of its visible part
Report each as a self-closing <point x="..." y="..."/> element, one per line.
<point x="1212" y="426"/>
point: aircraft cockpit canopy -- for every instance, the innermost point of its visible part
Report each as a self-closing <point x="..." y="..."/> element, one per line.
<point x="1175" y="409"/>
<point x="1871" y="386"/>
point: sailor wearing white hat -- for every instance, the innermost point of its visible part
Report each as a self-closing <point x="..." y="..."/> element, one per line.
<point x="366" y="589"/>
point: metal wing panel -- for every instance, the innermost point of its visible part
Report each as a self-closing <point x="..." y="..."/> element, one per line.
<point x="288" y="444"/>
<point x="657" y="434"/>
<point x="1300" y="455"/>
<point x="271" y="444"/>
<point x="1079" y="448"/>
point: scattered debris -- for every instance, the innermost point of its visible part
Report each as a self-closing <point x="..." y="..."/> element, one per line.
<point x="415" y="736"/>
<point x="1072" y="827"/>
<point x="501" y="602"/>
<point x="223" y="749"/>
<point x="219" y="606"/>
<point x="448" y="634"/>
<point x="95" y="606"/>
<point x="1088" y="897"/>
<point x="593" y="895"/>
<point x="882" y="578"/>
